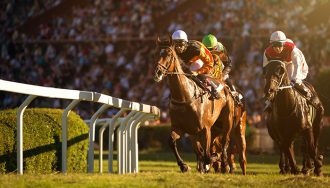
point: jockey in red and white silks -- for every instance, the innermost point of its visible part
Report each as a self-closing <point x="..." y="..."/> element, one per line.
<point x="285" y="50"/>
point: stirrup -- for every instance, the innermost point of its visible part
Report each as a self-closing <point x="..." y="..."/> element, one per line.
<point x="216" y="95"/>
<point x="237" y="97"/>
<point x="239" y="102"/>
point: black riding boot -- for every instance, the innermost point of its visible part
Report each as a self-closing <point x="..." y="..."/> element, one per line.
<point x="214" y="91"/>
<point x="301" y="88"/>
<point x="233" y="90"/>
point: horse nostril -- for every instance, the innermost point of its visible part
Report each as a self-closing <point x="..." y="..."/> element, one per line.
<point x="270" y="90"/>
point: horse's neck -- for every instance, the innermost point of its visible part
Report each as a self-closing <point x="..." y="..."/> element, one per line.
<point x="286" y="100"/>
<point x="181" y="87"/>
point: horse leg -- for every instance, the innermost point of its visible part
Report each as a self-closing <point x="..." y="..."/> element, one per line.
<point x="224" y="155"/>
<point x="313" y="152"/>
<point x="204" y="150"/>
<point x="289" y="153"/>
<point x="231" y="156"/>
<point x="215" y="152"/>
<point x="317" y="125"/>
<point x="307" y="162"/>
<point x="172" y="142"/>
<point x="287" y="166"/>
<point x="199" y="154"/>
<point x="241" y="145"/>
<point x="226" y="129"/>
<point x="207" y="153"/>
<point x="281" y="164"/>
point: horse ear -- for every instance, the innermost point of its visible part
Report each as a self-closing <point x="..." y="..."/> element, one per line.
<point x="158" y="40"/>
<point x="170" y="38"/>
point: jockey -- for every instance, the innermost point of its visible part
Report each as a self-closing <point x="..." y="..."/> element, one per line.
<point x="197" y="56"/>
<point x="216" y="48"/>
<point x="284" y="49"/>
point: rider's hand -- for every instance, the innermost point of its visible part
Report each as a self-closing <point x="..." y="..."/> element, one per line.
<point x="292" y="83"/>
<point x="225" y="77"/>
<point x="194" y="73"/>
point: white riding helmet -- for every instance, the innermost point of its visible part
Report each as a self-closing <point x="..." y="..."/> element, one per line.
<point x="180" y="35"/>
<point x="289" y="40"/>
<point x="277" y="36"/>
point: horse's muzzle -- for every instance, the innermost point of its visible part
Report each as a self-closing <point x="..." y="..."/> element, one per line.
<point x="158" y="77"/>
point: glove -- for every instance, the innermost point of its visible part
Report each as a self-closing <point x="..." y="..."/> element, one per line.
<point x="292" y="83"/>
<point x="225" y="77"/>
<point x="194" y="73"/>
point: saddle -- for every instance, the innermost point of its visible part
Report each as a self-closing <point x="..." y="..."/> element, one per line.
<point x="209" y="84"/>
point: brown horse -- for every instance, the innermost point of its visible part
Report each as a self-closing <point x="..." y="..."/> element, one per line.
<point x="290" y="116"/>
<point x="237" y="141"/>
<point x="191" y="110"/>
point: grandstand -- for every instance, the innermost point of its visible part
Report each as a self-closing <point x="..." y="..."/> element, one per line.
<point x="108" y="46"/>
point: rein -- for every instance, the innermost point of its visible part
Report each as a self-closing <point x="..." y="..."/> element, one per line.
<point x="165" y="71"/>
<point x="280" y="88"/>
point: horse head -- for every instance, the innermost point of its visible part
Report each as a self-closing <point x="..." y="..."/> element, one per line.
<point x="166" y="61"/>
<point x="276" y="77"/>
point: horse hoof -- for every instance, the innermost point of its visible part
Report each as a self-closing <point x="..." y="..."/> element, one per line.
<point x="184" y="168"/>
<point x="295" y="170"/>
<point x="225" y="169"/>
<point x="207" y="168"/>
<point x="306" y="171"/>
<point x="214" y="158"/>
<point x="231" y="171"/>
<point x="318" y="172"/>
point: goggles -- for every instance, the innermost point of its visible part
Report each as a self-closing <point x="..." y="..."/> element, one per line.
<point x="277" y="44"/>
<point x="180" y="43"/>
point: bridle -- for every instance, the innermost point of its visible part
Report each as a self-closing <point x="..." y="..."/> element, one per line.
<point x="164" y="69"/>
<point x="279" y="83"/>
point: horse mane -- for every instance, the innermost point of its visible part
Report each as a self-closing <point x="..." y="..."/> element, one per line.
<point x="274" y="63"/>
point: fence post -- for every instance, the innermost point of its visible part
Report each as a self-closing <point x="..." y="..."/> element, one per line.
<point x="65" y="115"/>
<point x="92" y="137"/>
<point x="19" y="117"/>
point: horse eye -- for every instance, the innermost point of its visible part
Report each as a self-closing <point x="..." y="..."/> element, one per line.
<point x="281" y="71"/>
<point x="162" y="53"/>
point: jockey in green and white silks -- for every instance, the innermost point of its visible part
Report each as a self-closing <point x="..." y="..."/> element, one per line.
<point x="217" y="48"/>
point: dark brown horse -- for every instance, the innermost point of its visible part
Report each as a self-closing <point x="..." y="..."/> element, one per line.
<point x="191" y="110"/>
<point x="291" y="116"/>
<point x="237" y="141"/>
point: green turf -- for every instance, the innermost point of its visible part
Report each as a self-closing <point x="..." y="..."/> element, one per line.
<point x="158" y="169"/>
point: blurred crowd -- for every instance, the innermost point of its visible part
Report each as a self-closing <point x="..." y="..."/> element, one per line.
<point x="14" y="13"/>
<point x="109" y="45"/>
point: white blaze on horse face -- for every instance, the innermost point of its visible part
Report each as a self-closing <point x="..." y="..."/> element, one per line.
<point x="160" y="77"/>
<point x="196" y="65"/>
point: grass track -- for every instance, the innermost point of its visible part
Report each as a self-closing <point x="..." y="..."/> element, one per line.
<point x="158" y="169"/>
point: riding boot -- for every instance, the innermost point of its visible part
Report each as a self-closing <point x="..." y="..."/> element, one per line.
<point x="233" y="91"/>
<point x="301" y="88"/>
<point x="214" y="93"/>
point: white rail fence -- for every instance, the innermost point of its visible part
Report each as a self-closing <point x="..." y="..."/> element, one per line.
<point x="126" y="133"/>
